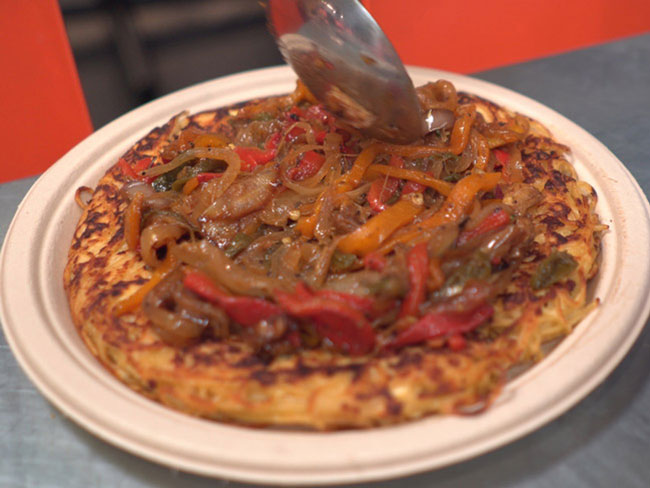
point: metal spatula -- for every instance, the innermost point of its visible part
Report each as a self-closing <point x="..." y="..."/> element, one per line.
<point x="340" y="53"/>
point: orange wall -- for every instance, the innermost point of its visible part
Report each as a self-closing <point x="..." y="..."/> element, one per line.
<point x="472" y="35"/>
<point x="42" y="109"/>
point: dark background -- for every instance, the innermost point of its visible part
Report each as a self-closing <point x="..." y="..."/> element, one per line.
<point x="131" y="51"/>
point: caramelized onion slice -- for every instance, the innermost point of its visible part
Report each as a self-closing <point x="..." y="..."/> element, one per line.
<point x="247" y="194"/>
<point x="156" y="236"/>
<point x="82" y="196"/>
<point x="190" y="154"/>
<point x="212" y="261"/>
<point x="173" y="327"/>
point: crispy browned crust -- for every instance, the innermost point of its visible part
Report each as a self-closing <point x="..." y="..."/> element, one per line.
<point x="319" y="389"/>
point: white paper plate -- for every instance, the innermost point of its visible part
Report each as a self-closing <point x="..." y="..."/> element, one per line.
<point x="38" y="327"/>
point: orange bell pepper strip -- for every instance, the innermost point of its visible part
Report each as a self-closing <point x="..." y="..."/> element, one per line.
<point x="457" y="143"/>
<point x="307" y="225"/>
<point x="482" y="150"/>
<point x="377" y="229"/>
<point x="132" y="217"/>
<point x="302" y="93"/>
<point x="347" y="182"/>
<point x="190" y="185"/>
<point x="210" y="140"/>
<point x="352" y="178"/>
<point x="453" y="209"/>
<point x="462" y="129"/>
<point x="461" y="198"/>
<point x="131" y="302"/>
<point x="441" y="186"/>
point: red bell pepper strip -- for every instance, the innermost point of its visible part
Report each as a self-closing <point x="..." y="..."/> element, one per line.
<point x="374" y="261"/>
<point x="310" y="163"/>
<point x="253" y="156"/>
<point x="302" y="291"/>
<point x="396" y="161"/>
<point x="442" y="324"/>
<point x="496" y="220"/>
<point x="417" y="263"/>
<point x="345" y="327"/>
<point x="362" y="304"/>
<point x="294" y="134"/>
<point x="344" y="134"/>
<point x="246" y="311"/>
<point x="203" y="177"/>
<point x="319" y="112"/>
<point x="457" y="342"/>
<point x="203" y="286"/>
<point x="295" y="114"/>
<point x="273" y="141"/>
<point x="365" y="305"/>
<point x="502" y="156"/>
<point x="294" y="338"/>
<point x="141" y="165"/>
<point x="127" y="169"/>
<point x="383" y="189"/>
<point x="412" y="187"/>
<point x="320" y="136"/>
<point x="134" y="171"/>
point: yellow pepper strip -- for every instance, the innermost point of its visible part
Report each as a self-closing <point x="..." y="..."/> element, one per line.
<point x="190" y="185"/>
<point x="210" y="140"/>
<point x="132" y="217"/>
<point x="351" y="179"/>
<point x="457" y="143"/>
<point x="133" y="301"/>
<point x="441" y="186"/>
<point x="377" y="229"/>
<point x="453" y="209"/>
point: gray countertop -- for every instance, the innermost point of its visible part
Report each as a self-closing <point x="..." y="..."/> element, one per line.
<point x="604" y="441"/>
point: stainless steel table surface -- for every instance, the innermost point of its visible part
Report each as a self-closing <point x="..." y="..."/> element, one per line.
<point x="604" y="441"/>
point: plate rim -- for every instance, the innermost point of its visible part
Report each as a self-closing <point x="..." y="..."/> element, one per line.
<point x="357" y="469"/>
